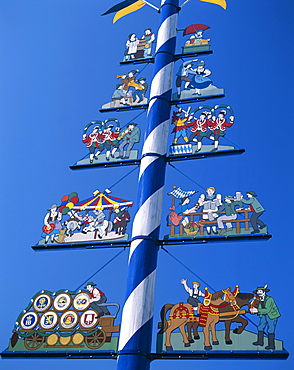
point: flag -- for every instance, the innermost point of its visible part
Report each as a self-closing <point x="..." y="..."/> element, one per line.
<point x="124" y="8"/>
<point x="179" y="193"/>
<point x="221" y="3"/>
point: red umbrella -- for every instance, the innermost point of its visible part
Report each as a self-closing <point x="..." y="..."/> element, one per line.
<point x="194" y="28"/>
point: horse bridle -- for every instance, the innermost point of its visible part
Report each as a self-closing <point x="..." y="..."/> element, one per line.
<point x="230" y="302"/>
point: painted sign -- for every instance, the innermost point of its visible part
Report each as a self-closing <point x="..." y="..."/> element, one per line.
<point x="214" y="215"/>
<point x="72" y="320"/>
<point x="201" y="129"/>
<point x="192" y="326"/>
<point x="196" y="43"/>
<point x="101" y="217"/>
<point x="106" y="141"/>
<point x="193" y="80"/>
<point x="139" y="48"/>
<point x="130" y="91"/>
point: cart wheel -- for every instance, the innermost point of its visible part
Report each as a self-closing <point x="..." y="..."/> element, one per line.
<point x="96" y="339"/>
<point x="34" y="341"/>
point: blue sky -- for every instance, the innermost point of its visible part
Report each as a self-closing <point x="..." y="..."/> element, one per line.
<point x="58" y="64"/>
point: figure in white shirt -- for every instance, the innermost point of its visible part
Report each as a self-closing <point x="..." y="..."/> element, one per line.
<point x="194" y="294"/>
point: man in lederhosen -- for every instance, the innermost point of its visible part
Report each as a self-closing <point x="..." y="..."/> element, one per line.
<point x="194" y="294"/>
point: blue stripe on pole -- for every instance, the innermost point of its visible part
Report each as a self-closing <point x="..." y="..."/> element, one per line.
<point x="137" y="316"/>
<point x="146" y="269"/>
<point x="164" y="48"/>
<point x="157" y="113"/>
<point x="161" y="114"/>
<point x="155" y="183"/>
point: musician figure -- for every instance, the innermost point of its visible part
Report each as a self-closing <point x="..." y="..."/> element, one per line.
<point x="140" y="90"/>
<point x="129" y="137"/>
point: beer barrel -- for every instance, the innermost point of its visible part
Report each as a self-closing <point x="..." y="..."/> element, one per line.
<point x="52" y="339"/>
<point x="77" y="338"/>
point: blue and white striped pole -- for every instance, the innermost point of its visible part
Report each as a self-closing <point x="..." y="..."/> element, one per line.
<point x="137" y="317"/>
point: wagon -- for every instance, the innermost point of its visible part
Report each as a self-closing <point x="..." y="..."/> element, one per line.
<point x="64" y="320"/>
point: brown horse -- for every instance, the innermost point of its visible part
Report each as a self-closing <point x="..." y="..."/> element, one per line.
<point x="242" y="299"/>
<point x="182" y="313"/>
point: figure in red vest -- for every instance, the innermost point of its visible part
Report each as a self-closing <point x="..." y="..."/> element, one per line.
<point x="200" y="129"/>
<point x="98" y="299"/>
<point x="219" y="126"/>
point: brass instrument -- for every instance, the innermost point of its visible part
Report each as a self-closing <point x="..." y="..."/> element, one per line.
<point x="122" y="135"/>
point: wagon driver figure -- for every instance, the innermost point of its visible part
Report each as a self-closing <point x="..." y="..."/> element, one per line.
<point x="97" y="298"/>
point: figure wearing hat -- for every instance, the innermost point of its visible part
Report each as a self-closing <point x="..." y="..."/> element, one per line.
<point x="183" y="75"/>
<point x="257" y="210"/>
<point x="128" y="82"/>
<point x="130" y="136"/>
<point x="149" y="38"/>
<point x="229" y="208"/>
<point x="219" y="126"/>
<point x="97" y="298"/>
<point x="200" y="129"/>
<point x="93" y="141"/>
<point x="200" y="79"/>
<point x="131" y="84"/>
<point x="121" y="219"/>
<point x="52" y="223"/>
<point x="110" y="141"/>
<point x="140" y="90"/>
<point x="194" y="294"/>
<point x="269" y="313"/>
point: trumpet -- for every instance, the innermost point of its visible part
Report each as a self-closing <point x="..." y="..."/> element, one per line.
<point x="122" y="134"/>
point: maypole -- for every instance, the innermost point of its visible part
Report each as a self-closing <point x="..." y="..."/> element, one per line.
<point x="137" y="317"/>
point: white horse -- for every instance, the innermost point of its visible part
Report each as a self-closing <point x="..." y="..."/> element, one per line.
<point x="74" y="222"/>
<point x="98" y="224"/>
<point x="102" y="228"/>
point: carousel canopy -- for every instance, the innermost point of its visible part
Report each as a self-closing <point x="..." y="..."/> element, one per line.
<point x="101" y="201"/>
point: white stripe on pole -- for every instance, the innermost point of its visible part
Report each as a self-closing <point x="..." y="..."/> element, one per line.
<point x="145" y="163"/>
<point x="152" y="145"/>
<point x="137" y="309"/>
<point x="150" y="215"/>
<point x="162" y="81"/>
<point x="136" y="327"/>
<point x="134" y="245"/>
<point x="167" y="30"/>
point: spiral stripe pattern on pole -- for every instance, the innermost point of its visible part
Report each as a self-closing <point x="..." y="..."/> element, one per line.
<point x="136" y="328"/>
